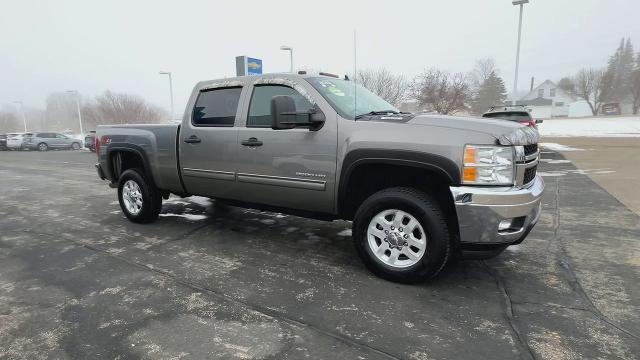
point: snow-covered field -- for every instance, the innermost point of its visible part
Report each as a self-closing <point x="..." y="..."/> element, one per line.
<point x="591" y="127"/>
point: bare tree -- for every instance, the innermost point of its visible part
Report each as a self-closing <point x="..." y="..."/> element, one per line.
<point x="121" y="108"/>
<point x="482" y="71"/>
<point x="382" y="82"/>
<point x="9" y="122"/>
<point x="61" y="112"/>
<point x="635" y="89"/>
<point x="591" y="85"/>
<point x="441" y="91"/>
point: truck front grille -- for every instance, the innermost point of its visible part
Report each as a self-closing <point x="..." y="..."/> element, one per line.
<point x="530" y="149"/>
<point x="529" y="174"/>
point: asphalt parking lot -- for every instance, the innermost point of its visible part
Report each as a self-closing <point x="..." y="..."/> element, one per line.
<point x="77" y="280"/>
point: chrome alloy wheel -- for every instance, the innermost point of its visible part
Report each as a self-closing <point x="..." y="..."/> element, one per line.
<point x="396" y="238"/>
<point x="132" y="197"/>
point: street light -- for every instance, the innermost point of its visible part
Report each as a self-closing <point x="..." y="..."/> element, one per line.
<point x="290" y="50"/>
<point x="79" y="113"/>
<point x="515" y="81"/>
<point x="170" y="89"/>
<point x="24" y="118"/>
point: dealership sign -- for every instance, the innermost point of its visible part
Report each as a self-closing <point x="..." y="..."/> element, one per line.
<point x="248" y="66"/>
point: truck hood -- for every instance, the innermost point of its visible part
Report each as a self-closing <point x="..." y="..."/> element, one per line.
<point x="505" y="132"/>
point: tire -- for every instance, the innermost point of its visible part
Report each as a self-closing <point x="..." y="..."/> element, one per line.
<point x="132" y="182"/>
<point x="426" y="236"/>
<point x="43" y="147"/>
<point x="75" y="146"/>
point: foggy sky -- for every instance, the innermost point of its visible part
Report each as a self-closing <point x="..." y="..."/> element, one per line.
<point x="91" y="46"/>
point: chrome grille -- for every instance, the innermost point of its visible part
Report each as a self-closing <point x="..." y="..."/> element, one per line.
<point x="529" y="175"/>
<point x="530" y="149"/>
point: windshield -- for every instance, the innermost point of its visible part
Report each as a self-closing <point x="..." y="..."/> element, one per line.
<point x="342" y="95"/>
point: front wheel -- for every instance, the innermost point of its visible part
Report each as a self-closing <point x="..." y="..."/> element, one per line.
<point x="75" y="146"/>
<point x="401" y="235"/>
<point x="41" y="147"/>
<point x="139" y="199"/>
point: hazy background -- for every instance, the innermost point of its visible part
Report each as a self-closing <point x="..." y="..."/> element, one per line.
<point x="91" y="46"/>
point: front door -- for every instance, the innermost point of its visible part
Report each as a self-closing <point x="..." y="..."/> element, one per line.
<point x="292" y="168"/>
<point x="208" y="143"/>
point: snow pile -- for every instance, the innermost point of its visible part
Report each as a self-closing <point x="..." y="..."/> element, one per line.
<point x="627" y="126"/>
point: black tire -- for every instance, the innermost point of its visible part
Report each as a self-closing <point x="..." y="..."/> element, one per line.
<point x="424" y="209"/>
<point x="43" y="147"/>
<point x="75" y="146"/>
<point x="151" y="197"/>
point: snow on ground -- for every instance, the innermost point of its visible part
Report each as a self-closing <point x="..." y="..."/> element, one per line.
<point x="619" y="126"/>
<point x="559" y="147"/>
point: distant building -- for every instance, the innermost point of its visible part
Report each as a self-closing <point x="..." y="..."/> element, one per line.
<point x="547" y="100"/>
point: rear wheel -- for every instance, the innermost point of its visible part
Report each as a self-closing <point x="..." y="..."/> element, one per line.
<point x="401" y="235"/>
<point x="139" y="199"/>
<point x="75" y="146"/>
<point x="43" y="147"/>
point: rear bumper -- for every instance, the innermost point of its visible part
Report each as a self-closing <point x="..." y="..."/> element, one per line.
<point x="100" y="172"/>
<point x="481" y="210"/>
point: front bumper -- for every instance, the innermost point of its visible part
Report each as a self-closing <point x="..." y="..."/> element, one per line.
<point x="480" y="211"/>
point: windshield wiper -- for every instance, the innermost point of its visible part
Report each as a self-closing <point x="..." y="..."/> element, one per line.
<point x="372" y="113"/>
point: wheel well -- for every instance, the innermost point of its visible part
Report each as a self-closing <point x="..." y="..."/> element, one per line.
<point x="125" y="160"/>
<point x="367" y="179"/>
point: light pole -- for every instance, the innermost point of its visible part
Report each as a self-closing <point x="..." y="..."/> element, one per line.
<point x="170" y="89"/>
<point x="79" y="113"/>
<point x="24" y="118"/>
<point x="290" y="50"/>
<point x="515" y="81"/>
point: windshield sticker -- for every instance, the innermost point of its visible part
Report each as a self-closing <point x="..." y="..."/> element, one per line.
<point x="326" y="83"/>
<point x="335" y="91"/>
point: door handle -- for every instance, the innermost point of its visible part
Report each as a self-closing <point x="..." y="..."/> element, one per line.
<point x="251" y="142"/>
<point x="192" y="140"/>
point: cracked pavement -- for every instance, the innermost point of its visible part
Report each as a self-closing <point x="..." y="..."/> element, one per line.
<point x="77" y="280"/>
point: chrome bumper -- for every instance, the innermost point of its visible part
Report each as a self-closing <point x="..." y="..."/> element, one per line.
<point x="480" y="210"/>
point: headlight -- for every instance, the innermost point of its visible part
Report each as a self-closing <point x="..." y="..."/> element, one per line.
<point x="488" y="165"/>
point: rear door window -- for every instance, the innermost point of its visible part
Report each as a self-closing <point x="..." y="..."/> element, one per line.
<point x="216" y="107"/>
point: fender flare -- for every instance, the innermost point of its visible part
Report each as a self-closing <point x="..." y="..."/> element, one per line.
<point x="130" y="148"/>
<point x="439" y="164"/>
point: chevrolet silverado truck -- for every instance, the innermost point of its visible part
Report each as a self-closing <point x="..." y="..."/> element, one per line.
<point x="420" y="189"/>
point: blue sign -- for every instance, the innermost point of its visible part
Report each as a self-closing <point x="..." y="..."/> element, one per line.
<point x="254" y="66"/>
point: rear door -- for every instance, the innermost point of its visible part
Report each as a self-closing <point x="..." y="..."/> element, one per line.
<point x="292" y="168"/>
<point x="208" y="143"/>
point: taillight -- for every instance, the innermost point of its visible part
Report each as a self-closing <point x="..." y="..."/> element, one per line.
<point x="97" y="145"/>
<point x="528" y="123"/>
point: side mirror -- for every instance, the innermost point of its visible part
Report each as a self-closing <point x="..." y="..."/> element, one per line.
<point x="283" y="115"/>
<point x="538" y="121"/>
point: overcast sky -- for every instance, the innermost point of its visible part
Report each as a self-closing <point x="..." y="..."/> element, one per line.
<point x="55" y="45"/>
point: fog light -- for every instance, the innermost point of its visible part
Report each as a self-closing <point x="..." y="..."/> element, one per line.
<point x="504" y="225"/>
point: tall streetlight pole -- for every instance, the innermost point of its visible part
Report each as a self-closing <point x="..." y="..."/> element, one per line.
<point x="79" y="113"/>
<point x="290" y="50"/>
<point x="515" y="81"/>
<point x="24" y="118"/>
<point x="170" y="89"/>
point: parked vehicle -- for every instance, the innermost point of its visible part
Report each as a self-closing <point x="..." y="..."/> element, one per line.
<point x="90" y="141"/>
<point x="14" y="141"/>
<point x="513" y="113"/>
<point x="43" y="141"/>
<point x="3" y="141"/>
<point x="419" y="188"/>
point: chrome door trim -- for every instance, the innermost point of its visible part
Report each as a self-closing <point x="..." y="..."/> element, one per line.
<point x="209" y="174"/>
<point x="289" y="182"/>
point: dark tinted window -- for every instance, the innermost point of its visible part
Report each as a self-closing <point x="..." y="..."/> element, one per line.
<point x="512" y="115"/>
<point x="260" y="107"/>
<point x="216" y="107"/>
<point x="45" y="135"/>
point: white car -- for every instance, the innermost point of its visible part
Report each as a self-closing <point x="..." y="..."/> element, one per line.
<point x="14" y="141"/>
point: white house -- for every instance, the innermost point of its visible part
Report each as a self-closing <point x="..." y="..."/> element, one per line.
<point x="547" y="100"/>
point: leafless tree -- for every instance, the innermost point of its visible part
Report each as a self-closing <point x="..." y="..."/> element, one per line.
<point x="481" y="72"/>
<point x="61" y="112"/>
<point x="9" y="122"/>
<point x="441" y="91"/>
<point x="389" y="86"/>
<point x="635" y="89"/>
<point x="591" y="85"/>
<point x="121" y="108"/>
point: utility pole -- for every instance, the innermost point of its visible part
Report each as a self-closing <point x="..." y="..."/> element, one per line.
<point x="515" y="81"/>
<point x="170" y="90"/>
<point x="24" y="118"/>
<point x="290" y="50"/>
<point x="79" y="112"/>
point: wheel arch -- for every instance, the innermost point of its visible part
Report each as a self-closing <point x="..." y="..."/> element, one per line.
<point x="121" y="157"/>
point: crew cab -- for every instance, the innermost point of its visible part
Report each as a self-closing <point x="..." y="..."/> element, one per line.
<point x="418" y="188"/>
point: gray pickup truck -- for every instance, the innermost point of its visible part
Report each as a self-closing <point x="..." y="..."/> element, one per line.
<point x="420" y="189"/>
